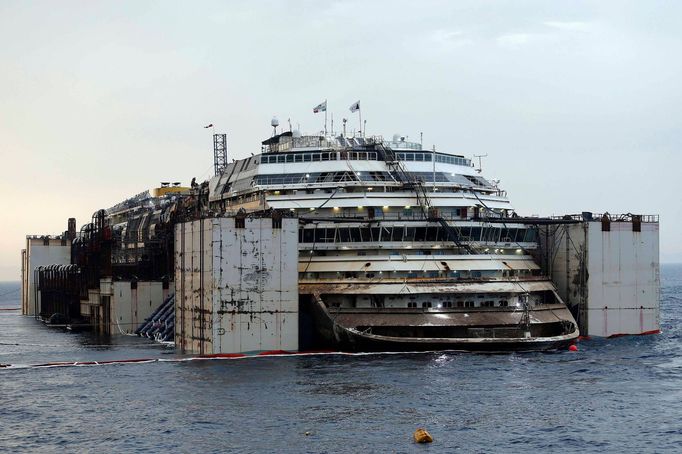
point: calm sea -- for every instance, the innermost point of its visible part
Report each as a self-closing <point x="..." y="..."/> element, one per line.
<point x="622" y="395"/>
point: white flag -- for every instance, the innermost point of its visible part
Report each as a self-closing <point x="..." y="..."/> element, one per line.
<point x="321" y="107"/>
<point x="355" y="107"/>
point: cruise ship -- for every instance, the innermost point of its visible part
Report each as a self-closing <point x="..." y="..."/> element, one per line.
<point x="400" y="248"/>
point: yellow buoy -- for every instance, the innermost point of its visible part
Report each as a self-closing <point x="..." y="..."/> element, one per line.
<point x="422" y="436"/>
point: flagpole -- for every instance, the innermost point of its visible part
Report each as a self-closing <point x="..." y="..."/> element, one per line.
<point x="325" y="118"/>
<point x="362" y="132"/>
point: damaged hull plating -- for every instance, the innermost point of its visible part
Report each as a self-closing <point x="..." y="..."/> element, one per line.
<point x="551" y="327"/>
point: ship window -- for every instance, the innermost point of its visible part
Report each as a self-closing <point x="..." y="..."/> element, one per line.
<point x="355" y="235"/>
<point x="411" y="304"/>
<point x="325" y="156"/>
<point x="490" y="234"/>
<point x="427" y="157"/>
<point x="468" y="304"/>
<point x="418" y="157"/>
<point x="366" y="234"/>
<point x="460" y="303"/>
<point x="316" y="156"/>
<point x="308" y="235"/>
<point x="504" y="303"/>
<point x="307" y="158"/>
<point x="280" y="158"/>
<point x="447" y="304"/>
<point x="398" y="232"/>
<point x="290" y="158"/>
<point x="426" y="304"/>
<point x="298" y="158"/>
<point x="343" y="234"/>
<point x="487" y="303"/>
<point x="504" y="235"/>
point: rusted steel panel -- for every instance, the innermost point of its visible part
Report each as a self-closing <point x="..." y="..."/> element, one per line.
<point x="610" y="277"/>
<point x="130" y="307"/>
<point x="259" y="280"/>
<point x="243" y="285"/>
<point x="624" y="283"/>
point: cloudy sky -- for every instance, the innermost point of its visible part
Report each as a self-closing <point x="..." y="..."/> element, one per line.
<point x="577" y="104"/>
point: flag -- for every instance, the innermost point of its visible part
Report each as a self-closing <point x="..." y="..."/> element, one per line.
<point x="321" y="107"/>
<point x="355" y="107"/>
<point x="208" y="126"/>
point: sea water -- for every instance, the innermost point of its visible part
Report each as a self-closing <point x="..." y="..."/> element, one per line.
<point x="622" y="394"/>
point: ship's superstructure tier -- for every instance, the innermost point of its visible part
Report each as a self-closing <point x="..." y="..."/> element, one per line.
<point x="359" y="177"/>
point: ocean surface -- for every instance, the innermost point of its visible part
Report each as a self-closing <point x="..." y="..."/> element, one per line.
<point x="623" y="394"/>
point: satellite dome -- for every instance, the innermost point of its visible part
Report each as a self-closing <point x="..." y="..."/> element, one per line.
<point x="274" y="122"/>
<point x="396" y="137"/>
<point x="296" y="133"/>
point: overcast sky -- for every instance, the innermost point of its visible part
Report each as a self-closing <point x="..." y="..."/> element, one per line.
<point x="577" y="104"/>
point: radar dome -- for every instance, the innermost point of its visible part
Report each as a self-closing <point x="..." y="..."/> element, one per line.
<point x="396" y="137"/>
<point x="296" y="133"/>
<point x="274" y="122"/>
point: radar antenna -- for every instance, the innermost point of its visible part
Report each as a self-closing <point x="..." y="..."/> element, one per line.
<point x="274" y="123"/>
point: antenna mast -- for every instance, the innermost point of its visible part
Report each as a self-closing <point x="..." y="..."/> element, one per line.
<point x="219" y="153"/>
<point x="479" y="156"/>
